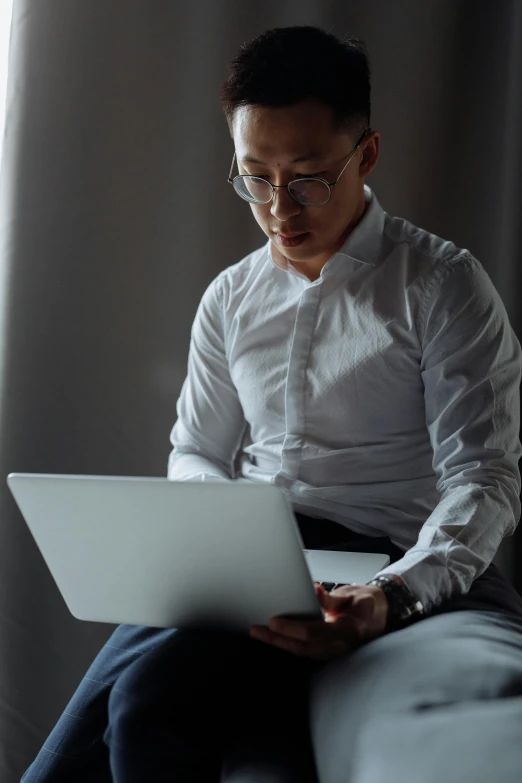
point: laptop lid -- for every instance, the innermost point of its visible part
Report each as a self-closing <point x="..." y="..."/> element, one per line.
<point x="149" y="551"/>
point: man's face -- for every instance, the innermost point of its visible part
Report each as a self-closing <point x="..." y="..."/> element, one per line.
<point x="278" y="138"/>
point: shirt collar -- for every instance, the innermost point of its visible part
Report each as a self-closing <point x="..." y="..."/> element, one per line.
<point x="363" y="243"/>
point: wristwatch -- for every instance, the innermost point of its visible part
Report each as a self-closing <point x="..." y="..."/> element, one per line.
<point x="404" y="608"/>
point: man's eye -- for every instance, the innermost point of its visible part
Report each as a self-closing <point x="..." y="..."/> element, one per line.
<point x="297" y="176"/>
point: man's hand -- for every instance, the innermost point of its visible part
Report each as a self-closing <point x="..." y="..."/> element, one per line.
<point x="354" y="614"/>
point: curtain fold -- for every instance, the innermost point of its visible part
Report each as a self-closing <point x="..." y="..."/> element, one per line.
<point x="115" y="215"/>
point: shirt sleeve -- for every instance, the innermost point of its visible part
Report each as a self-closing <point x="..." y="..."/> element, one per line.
<point x="471" y="369"/>
<point x="210" y="423"/>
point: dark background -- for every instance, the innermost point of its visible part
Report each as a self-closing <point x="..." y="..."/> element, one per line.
<point x="116" y="214"/>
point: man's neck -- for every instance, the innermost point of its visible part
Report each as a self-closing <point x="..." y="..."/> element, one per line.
<point x="313" y="268"/>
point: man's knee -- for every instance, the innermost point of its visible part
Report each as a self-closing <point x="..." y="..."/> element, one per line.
<point x="175" y="676"/>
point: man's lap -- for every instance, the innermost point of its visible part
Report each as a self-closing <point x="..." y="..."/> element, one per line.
<point x="216" y="697"/>
<point x="76" y="746"/>
<point x="443" y="659"/>
<point x="76" y="742"/>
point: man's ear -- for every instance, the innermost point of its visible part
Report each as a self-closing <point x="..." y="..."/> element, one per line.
<point x="370" y="155"/>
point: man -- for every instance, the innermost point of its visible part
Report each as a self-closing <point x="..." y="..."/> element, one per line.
<point x="368" y="368"/>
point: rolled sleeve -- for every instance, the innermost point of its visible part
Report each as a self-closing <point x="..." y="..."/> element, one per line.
<point x="471" y="369"/>
<point x="210" y="423"/>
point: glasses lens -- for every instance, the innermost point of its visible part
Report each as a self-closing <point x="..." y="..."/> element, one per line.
<point x="311" y="192"/>
<point x="253" y="189"/>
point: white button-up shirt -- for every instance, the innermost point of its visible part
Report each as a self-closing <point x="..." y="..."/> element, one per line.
<point x="384" y="396"/>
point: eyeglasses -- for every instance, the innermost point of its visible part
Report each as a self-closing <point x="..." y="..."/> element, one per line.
<point x="308" y="191"/>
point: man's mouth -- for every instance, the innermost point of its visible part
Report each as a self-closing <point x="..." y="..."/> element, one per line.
<point x="291" y="240"/>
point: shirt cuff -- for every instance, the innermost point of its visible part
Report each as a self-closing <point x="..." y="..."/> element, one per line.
<point x="185" y="466"/>
<point x="426" y="576"/>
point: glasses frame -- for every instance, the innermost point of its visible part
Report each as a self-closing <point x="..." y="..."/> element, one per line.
<point x="330" y="185"/>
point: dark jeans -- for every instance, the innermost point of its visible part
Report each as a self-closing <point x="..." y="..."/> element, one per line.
<point x="168" y="705"/>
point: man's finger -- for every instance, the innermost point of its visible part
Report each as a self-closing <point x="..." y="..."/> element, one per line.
<point x="334" y="601"/>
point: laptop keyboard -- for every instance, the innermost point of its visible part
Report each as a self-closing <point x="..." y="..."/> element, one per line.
<point x="328" y="586"/>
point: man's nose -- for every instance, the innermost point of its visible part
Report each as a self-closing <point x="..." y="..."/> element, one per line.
<point x="283" y="205"/>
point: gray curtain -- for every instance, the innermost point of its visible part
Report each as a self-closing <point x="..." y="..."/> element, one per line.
<point x="116" y="214"/>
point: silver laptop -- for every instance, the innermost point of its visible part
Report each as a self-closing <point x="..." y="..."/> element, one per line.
<point x="154" y="552"/>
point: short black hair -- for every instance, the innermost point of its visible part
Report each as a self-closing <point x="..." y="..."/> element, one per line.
<point x="287" y="65"/>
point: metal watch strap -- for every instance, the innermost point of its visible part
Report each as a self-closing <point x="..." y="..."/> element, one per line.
<point x="404" y="608"/>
